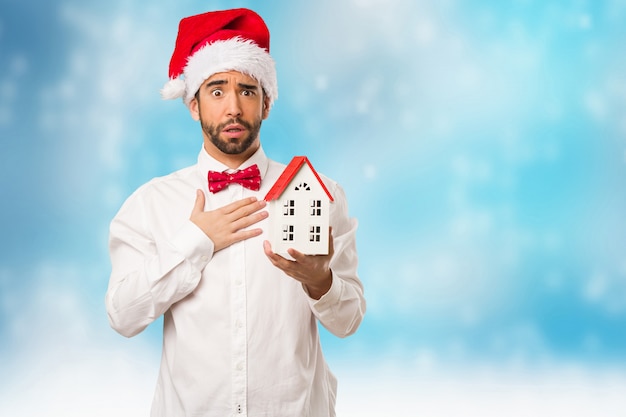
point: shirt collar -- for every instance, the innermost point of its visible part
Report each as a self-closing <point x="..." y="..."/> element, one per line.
<point x="207" y="163"/>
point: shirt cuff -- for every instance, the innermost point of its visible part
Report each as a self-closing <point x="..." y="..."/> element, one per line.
<point x="194" y="245"/>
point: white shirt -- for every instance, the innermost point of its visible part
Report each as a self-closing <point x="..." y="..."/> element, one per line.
<point x="240" y="337"/>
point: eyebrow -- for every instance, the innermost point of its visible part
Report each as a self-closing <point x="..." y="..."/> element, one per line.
<point x="224" y="82"/>
<point x="248" y="86"/>
<point x="216" y="82"/>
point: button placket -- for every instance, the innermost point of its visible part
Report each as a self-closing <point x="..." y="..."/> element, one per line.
<point x="238" y="317"/>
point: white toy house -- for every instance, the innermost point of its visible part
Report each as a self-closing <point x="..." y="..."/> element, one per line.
<point x="299" y="206"/>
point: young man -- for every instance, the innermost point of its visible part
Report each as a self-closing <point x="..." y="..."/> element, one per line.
<point x="240" y="330"/>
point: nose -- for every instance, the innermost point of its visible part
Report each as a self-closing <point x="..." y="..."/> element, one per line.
<point x="233" y="108"/>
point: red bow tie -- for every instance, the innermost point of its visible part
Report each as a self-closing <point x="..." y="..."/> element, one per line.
<point x="249" y="177"/>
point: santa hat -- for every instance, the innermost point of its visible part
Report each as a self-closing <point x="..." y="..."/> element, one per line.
<point x="227" y="40"/>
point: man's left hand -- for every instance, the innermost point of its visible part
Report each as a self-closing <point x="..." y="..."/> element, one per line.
<point x="313" y="271"/>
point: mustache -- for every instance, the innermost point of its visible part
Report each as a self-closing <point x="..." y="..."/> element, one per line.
<point x="234" y="121"/>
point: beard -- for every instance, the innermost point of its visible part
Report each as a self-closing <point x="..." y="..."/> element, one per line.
<point x="234" y="146"/>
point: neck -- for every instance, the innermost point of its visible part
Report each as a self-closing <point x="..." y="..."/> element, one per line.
<point x="232" y="161"/>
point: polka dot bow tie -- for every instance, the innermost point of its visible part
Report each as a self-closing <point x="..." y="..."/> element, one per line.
<point x="249" y="177"/>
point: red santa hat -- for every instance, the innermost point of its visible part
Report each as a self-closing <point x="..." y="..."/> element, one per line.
<point x="227" y="40"/>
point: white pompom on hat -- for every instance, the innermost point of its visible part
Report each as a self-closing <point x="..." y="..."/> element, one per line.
<point x="220" y="41"/>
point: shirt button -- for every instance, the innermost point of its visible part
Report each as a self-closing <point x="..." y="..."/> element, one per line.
<point x="204" y="258"/>
<point x="239" y="366"/>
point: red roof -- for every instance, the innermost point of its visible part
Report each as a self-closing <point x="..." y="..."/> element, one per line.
<point x="290" y="171"/>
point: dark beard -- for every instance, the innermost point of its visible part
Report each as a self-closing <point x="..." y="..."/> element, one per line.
<point x="234" y="147"/>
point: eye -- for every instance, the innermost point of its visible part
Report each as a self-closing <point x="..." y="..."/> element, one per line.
<point x="216" y="93"/>
<point x="247" y="93"/>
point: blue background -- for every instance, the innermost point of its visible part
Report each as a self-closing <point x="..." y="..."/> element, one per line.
<point x="481" y="146"/>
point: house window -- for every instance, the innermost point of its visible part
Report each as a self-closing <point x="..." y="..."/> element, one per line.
<point x="316" y="207"/>
<point x="287" y="233"/>
<point x="303" y="186"/>
<point x="315" y="233"/>
<point x="289" y="207"/>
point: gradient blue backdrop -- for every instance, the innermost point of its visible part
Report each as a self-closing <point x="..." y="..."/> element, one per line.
<point x="481" y="145"/>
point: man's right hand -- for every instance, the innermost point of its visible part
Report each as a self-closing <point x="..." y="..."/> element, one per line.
<point x="227" y="225"/>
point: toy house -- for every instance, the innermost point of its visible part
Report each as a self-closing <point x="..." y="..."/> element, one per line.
<point x="299" y="208"/>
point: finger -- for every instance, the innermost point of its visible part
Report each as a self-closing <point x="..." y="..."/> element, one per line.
<point x="198" y="206"/>
<point x="246" y="234"/>
<point x="296" y="255"/>
<point x="241" y="235"/>
<point x="275" y="258"/>
<point x="237" y="205"/>
<point x="249" y="220"/>
<point x="247" y="210"/>
<point x="331" y="242"/>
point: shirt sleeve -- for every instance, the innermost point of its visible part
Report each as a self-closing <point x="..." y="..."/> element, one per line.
<point x="150" y="274"/>
<point x="342" y="308"/>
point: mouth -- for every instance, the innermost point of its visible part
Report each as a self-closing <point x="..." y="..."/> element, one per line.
<point x="234" y="130"/>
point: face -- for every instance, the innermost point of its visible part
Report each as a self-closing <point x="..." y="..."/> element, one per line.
<point x="230" y="107"/>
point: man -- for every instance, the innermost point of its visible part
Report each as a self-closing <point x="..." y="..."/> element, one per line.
<point x="240" y="330"/>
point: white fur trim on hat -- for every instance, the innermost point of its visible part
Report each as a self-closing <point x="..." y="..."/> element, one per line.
<point x="174" y="88"/>
<point x="234" y="54"/>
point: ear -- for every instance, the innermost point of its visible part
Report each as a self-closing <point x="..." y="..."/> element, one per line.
<point x="194" y="109"/>
<point x="266" y="107"/>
